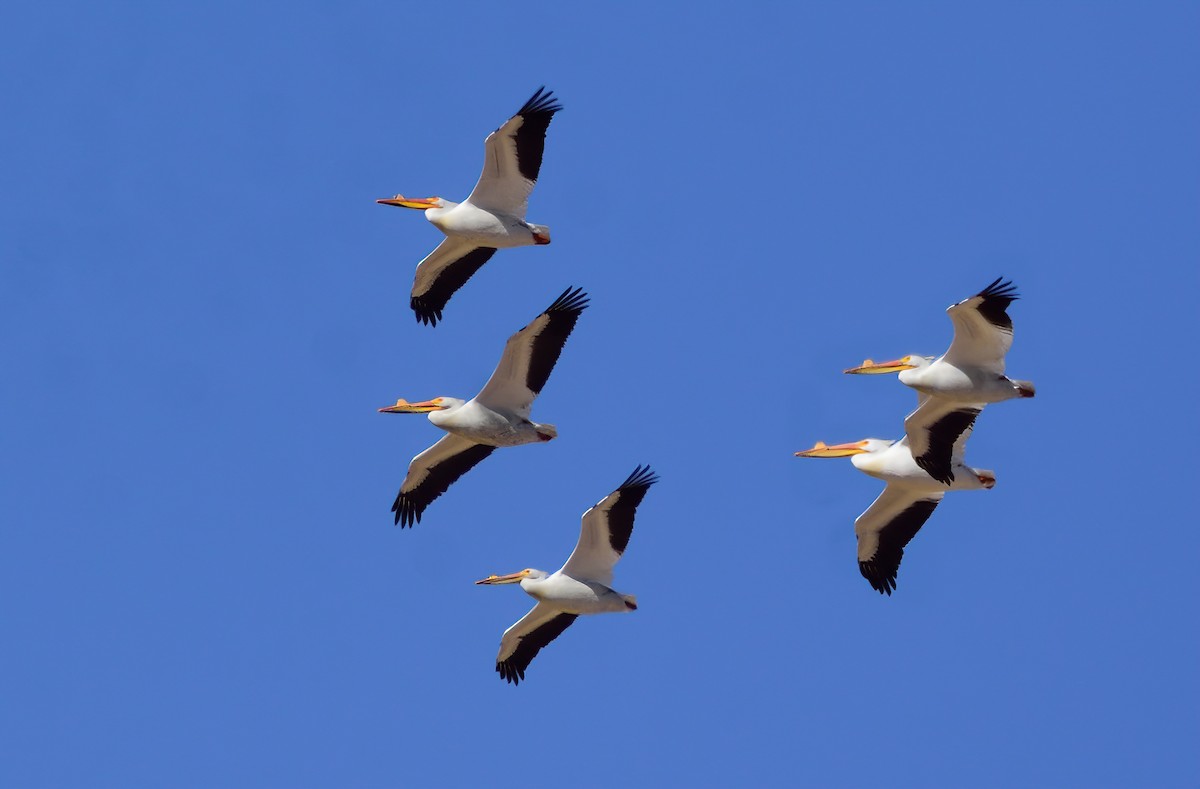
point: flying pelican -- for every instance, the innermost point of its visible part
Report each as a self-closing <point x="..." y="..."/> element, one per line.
<point x="972" y="369"/>
<point x="581" y="586"/>
<point x="493" y="215"/>
<point x="496" y="417"/>
<point x="907" y="501"/>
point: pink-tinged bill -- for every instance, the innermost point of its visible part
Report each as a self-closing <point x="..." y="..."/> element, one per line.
<point x="822" y="450"/>
<point x="409" y="202"/>
<point x="511" y="578"/>
<point x="869" y="367"/>
<point x="402" y="406"/>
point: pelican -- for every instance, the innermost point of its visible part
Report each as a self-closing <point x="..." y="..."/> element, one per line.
<point x="581" y="586"/>
<point x="972" y="369"/>
<point x="496" y="417"/>
<point x="908" y="499"/>
<point x="493" y="215"/>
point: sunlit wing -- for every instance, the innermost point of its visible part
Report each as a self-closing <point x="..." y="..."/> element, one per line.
<point x="937" y="434"/>
<point x="513" y="157"/>
<point x="530" y="355"/>
<point x="521" y="642"/>
<point x="983" y="332"/>
<point x="441" y="273"/>
<point x="885" y="528"/>
<point x="606" y="528"/>
<point x="432" y="472"/>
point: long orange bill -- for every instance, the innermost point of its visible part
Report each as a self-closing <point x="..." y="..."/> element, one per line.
<point x="511" y="578"/>
<point x="402" y="406"/>
<point x="869" y="367"/>
<point x="409" y="202"/>
<point x="822" y="450"/>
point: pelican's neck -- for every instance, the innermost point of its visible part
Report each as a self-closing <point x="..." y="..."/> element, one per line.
<point x="438" y="213"/>
<point x="865" y="462"/>
<point x="874" y="462"/>
<point x="447" y="416"/>
<point x="532" y="585"/>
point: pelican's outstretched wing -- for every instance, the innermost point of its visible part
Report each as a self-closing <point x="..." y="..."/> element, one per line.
<point x="513" y="157"/>
<point x="521" y="642"/>
<point x="937" y="434"/>
<point x="432" y="472"/>
<point x="885" y="528"/>
<point x="531" y="354"/>
<point x="983" y="332"/>
<point x="606" y="529"/>
<point x="441" y="273"/>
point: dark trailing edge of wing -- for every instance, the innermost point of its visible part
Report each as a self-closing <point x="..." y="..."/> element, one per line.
<point x="996" y="298"/>
<point x="620" y="516"/>
<point x="880" y="570"/>
<point x="942" y="434"/>
<point x="409" y="506"/>
<point x="429" y="305"/>
<point x="513" y="668"/>
<point x="531" y="137"/>
<point x="547" y="346"/>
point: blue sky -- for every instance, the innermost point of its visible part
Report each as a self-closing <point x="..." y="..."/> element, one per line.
<point x="202" y="308"/>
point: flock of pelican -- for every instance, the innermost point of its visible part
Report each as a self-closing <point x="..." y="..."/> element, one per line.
<point x="493" y="217"/>
<point x="918" y="469"/>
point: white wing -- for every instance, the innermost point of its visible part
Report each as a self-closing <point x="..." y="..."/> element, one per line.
<point x="432" y="472"/>
<point x="606" y="528"/>
<point x="530" y="355"/>
<point x="521" y="642"/>
<point x="983" y="332"/>
<point x="885" y="528"/>
<point x="443" y="271"/>
<point x="937" y="434"/>
<point x="513" y="157"/>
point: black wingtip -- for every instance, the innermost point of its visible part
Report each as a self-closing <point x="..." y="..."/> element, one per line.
<point x="407" y="512"/>
<point x="541" y="102"/>
<point x="642" y="477"/>
<point x="425" y="314"/>
<point x="570" y="300"/>
<point x="1000" y="289"/>
<point x="879" y="581"/>
<point x="939" y="471"/>
<point x="510" y="673"/>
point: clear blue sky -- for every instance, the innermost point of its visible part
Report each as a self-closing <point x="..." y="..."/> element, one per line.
<point x="201" y="308"/>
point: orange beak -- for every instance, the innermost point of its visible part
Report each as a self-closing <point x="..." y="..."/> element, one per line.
<point x="511" y="578"/>
<point x="409" y="202"/>
<point x="869" y="367"/>
<point x="821" y="450"/>
<point x="402" y="406"/>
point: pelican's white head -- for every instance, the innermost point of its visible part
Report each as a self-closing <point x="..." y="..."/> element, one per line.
<point x="439" y="408"/>
<point x="911" y="362"/>
<point x="861" y="453"/>
<point x="864" y="447"/>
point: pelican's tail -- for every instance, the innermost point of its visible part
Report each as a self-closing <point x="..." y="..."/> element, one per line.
<point x="1025" y="388"/>
<point x="630" y="601"/>
<point x="545" y="432"/>
<point x="541" y="234"/>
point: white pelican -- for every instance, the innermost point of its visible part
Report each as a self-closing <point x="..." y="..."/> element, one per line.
<point x="972" y="369"/>
<point x="907" y="501"/>
<point x="493" y="215"/>
<point x="496" y="417"/>
<point x="581" y="586"/>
